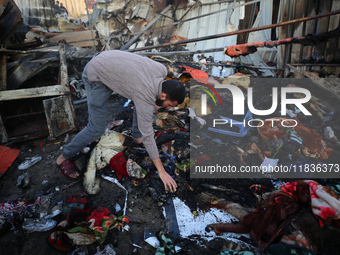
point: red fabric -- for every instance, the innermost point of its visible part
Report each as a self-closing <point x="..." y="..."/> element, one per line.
<point x="118" y="164"/>
<point x="98" y="215"/>
<point x="78" y="216"/>
<point x="267" y="220"/>
<point x="77" y="200"/>
<point x="325" y="203"/>
<point x="7" y="156"/>
<point x="60" y="241"/>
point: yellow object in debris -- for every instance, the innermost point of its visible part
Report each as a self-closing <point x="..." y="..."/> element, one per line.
<point x="243" y="80"/>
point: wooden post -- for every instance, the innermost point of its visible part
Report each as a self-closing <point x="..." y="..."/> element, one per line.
<point x="63" y="75"/>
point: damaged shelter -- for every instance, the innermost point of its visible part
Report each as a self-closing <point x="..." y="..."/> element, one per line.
<point x="254" y="148"/>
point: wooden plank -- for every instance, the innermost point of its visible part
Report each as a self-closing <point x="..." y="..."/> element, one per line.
<point x="321" y="26"/>
<point x="309" y="28"/>
<point x="84" y="36"/>
<point x="331" y="51"/>
<point x="298" y="31"/>
<point x="63" y="74"/>
<point x="59" y="115"/>
<point x="247" y="22"/>
<point x="59" y="111"/>
<point x="55" y="90"/>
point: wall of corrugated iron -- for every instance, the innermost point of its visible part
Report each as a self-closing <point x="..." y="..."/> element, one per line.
<point x="37" y="13"/>
<point x="218" y="23"/>
<point x="263" y="12"/>
<point x="210" y="25"/>
<point x="325" y="55"/>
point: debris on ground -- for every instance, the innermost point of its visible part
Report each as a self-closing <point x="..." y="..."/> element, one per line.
<point x="263" y="102"/>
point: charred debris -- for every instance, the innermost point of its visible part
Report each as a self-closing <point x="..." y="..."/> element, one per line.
<point x="251" y="45"/>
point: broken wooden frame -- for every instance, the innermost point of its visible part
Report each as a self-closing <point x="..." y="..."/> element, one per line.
<point x="58" y="108"/>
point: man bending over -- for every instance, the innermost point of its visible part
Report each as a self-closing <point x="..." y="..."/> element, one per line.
<point x="134" y="77"/>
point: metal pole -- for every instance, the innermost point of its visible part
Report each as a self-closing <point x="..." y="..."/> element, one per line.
<point x="90" y="23"/>
<point x="192" y="7"/>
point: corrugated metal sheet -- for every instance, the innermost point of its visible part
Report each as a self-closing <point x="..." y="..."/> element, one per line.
<point x="37" y="12"/>
<point x="318" y="56"/>
<point x="214" y="24"/>
<point x="218" y="23"/>
<point x="210" y="25"/>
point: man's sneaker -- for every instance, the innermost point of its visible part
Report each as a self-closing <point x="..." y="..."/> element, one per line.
<point x="29" y="162"/>
<point x="39" y="225"/>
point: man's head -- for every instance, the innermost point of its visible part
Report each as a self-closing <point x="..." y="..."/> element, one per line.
<point x="173" y="93"/>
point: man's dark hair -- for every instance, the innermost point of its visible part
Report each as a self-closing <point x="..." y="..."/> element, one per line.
<point x="175" y="90"/>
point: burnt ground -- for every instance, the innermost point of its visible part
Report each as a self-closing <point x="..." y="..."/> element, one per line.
<point x="45" y="177"/>
<point x="141" y="203"/>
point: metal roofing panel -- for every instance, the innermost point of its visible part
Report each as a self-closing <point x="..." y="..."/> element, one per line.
<point x="37" y="12"/>
<point x="222" y="22"/>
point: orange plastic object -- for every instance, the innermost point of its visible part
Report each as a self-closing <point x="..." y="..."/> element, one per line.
<point x="7" y="156"/>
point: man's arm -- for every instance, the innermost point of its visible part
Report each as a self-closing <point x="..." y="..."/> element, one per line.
<point x="145" y="119"/>
<point x="169" y="183"/>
